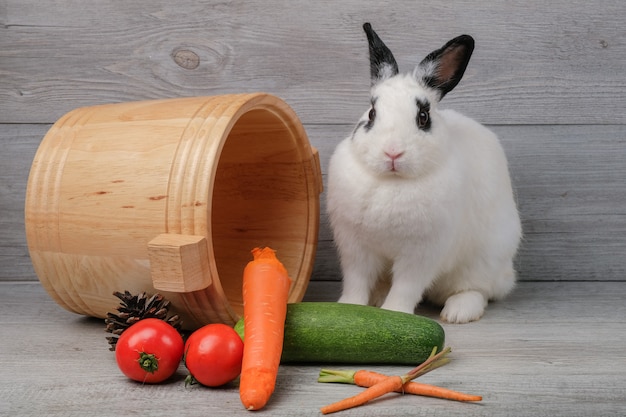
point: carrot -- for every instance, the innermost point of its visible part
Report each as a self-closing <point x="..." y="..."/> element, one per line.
<point x="389" y="383"/>
<point x="366" y="378"/>
<point x="265" y="289"/>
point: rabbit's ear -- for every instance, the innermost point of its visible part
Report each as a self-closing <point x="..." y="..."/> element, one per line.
<point x="382" y="63"/>
<point x="443" y="69"/>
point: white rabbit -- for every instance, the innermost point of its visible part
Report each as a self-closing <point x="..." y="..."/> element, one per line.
<point x="422" y="195"/>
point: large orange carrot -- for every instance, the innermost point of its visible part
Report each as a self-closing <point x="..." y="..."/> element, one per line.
<point x="265" y="289"/>
<point x="366" y="378"/>
<point x="389" y="384"/>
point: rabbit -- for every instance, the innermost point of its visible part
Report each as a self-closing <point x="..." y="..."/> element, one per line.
<point x="422" y="196"/>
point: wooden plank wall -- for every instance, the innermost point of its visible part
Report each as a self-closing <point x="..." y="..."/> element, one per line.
<point x="548" y="77"/>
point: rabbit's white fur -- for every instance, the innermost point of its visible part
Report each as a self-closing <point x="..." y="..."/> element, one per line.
<point x="440" y="219"/>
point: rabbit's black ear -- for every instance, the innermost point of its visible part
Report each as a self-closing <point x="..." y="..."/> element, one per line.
<point x="382" y="63"/>
<point x="443" y="69"/>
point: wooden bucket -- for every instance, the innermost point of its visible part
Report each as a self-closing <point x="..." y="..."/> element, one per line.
<point x="171" y="196"/>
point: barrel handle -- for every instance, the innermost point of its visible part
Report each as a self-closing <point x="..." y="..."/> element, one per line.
<point x="179" y="263"/>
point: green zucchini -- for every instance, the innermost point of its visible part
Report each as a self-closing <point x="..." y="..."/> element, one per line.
<point x="326" y="332"/>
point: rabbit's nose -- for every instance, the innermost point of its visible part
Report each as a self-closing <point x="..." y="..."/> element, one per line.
<point x="394" y="155"/>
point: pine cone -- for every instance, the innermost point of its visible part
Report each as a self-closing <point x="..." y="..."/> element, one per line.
<point x="134" y="308"/>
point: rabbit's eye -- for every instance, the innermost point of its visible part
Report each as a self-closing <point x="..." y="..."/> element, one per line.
<point x="372" y="115"/>
<point x="423" y="114"/>
<point x="422" y="119"/>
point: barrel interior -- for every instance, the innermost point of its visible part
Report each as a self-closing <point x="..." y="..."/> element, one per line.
<point x="260" y="197"/>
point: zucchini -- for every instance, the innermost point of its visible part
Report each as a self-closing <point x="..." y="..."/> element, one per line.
<point x="328" y="332"/>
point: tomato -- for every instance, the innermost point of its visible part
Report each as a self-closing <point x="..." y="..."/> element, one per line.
<point x="213" y="355"/>
<point x="149" y="351"/>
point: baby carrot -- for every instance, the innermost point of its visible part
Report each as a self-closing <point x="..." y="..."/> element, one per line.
<point x="366" y="378"/>
<point x="389" y="383"/>
<point x="265" y="290"/>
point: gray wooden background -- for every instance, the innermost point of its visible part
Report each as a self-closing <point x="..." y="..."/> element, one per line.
<point x="548" y="77"/>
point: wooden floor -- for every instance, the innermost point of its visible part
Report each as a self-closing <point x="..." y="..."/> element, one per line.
<point x="551" y="349"/>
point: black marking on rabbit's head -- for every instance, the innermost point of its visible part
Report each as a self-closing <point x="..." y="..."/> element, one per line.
<point x="443" y="68"/>
<point x="383" y="65"/>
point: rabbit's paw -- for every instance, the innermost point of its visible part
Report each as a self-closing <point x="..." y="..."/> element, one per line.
<point x="464" y="307"/>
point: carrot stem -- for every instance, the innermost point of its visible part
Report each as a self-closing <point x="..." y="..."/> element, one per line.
<point x="433" y="362"/>
<point x="265" y="292"/>
<point x="339" y="376"/>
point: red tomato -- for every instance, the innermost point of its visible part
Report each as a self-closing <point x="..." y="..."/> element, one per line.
<point x="213" y="355"/>
<point x="149" y="351"/>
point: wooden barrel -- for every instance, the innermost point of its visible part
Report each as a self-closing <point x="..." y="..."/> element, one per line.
<point x="171" y="196"/>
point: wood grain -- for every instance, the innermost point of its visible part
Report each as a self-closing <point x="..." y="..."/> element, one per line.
<point x="550" y="349"/>
<point x="569" y="182"/>
<point x="107" y="180"/>
<point x="536" y="63"/>
<point x="547" y="77"/>
<point x="18" y="144"/>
